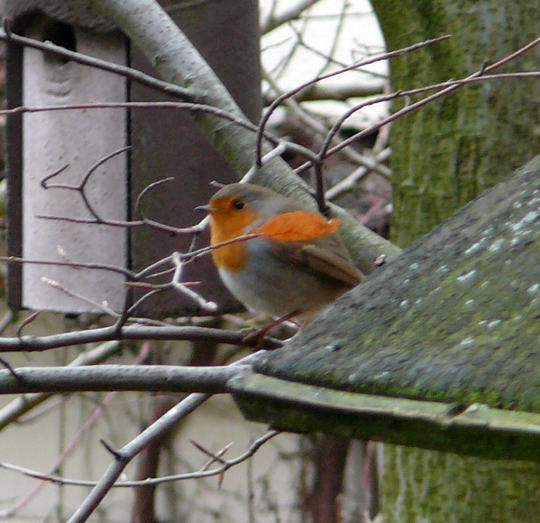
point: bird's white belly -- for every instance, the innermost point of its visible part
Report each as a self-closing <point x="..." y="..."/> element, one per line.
<point x="273" y="288"/>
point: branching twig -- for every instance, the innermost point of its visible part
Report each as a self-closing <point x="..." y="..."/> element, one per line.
<point x="320" y="129"/>
<point x="129" y="451"/>
<point x="352" y="179"/>
<point x="80" y="188"/>
<point x="318" y="165"/>
<point x="192" y="107"/>
<point x="448" y="87"/>
<point x="31" y="400"/>
<point x="292" y="92"/>
<point x="96" y="219"/>
<point x="177" y="260"/>
<point x="203" y="473"/>
<point x="205" y="305"/>
<point x="136" y="445"/>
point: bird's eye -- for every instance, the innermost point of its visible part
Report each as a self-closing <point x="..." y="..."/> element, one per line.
<point x="238" y="204"/>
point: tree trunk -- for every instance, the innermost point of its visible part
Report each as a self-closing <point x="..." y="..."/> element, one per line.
<point x="450" y="151"/>
<point x="437" y="486"/>
<point x="443" y="156"/>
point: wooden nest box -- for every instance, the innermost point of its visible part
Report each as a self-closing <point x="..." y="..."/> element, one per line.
<point x="163" y="143"/>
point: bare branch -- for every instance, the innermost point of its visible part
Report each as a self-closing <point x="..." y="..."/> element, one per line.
<point x="328" y="58"/>
<point x="75" y="439"/>
<point x="129" y="451"/>
<point x="145" y="438"/>
<point x="42" y="343"/>
<point x="127" y="72"/>
<point x="352" y="179"/>
<point x="292" y="12"/>
<point x="335" y="92"/>
<point x="363" y="63"/>
<point x="203" y="473"/>
<point x="448" y="87"/>
<point x="22" y="404"/>
<point x="208" y="306"/>
<point x="166" y="378"/>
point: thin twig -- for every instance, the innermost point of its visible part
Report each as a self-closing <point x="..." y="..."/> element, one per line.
<point x="102" y="306"/>
<point x="205" y="305"/>
<point x="214" y="456"/>
<point x="42" y="343"/>
<point x="25" y="322"/>
<point x="80" y="265"/>
<point x="449" y="87"/>
<point x="347" y="183"/>
<point x="146" y="190"/>
<point x="253" y="448"/>
<point x="292" y="12"/>
<point x="267" y="158"/>
<point x="132" y="74"/>
<point x="303" y="86"/>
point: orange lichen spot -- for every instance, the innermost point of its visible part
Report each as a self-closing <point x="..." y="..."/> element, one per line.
<point x="297" y="226"/>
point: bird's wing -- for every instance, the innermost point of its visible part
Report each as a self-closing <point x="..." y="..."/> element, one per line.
<point x="325" y="256"/>
<point x="310" y="241"/>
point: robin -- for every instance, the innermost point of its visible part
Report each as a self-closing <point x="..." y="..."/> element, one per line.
<point x="294" y="264"/>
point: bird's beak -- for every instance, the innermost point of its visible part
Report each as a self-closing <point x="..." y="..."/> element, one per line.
<point x="205" y="208"/>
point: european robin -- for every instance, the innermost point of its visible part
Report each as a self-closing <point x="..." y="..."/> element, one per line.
<point x="295" y="266"/>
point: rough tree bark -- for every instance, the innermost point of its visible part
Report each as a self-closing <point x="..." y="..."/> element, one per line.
<point x="452" y="150"/>
<point x="442" y="157"/>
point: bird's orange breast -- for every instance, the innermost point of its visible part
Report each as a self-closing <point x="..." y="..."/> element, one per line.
<point x="225" y="225"/>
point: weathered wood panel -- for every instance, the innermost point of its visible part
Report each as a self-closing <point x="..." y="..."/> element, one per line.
<point x="79" y="138"/>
